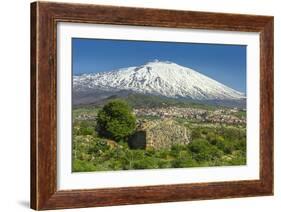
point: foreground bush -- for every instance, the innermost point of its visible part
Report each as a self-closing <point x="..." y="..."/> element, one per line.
<point x="204" y="151"/>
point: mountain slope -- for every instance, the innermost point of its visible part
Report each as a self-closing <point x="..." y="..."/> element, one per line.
<point x="156" y="78"/>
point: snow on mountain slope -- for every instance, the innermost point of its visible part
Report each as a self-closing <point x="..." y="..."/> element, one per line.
<point x="158" y="78"/>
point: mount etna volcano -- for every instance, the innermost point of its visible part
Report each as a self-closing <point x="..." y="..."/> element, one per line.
<point x="157" y="78"/>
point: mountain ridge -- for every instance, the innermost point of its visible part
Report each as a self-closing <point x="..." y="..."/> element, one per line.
<point x="160" y="78"/>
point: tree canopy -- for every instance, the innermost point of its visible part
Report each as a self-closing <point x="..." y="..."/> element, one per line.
<point x="116" y="120"/>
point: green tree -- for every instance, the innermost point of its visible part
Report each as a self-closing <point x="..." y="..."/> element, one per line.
<point x="116" y="120"/>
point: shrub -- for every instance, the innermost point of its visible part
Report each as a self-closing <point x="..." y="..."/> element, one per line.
<point x="239" y="158"/>
<point x="144" y="163"/>
<point x="202" y="150"/>
<point x="211" y="137"/>
<point x="83" y="128"/>
<point x="225" y="145"/>
<point x="82" y="166"/>
<point x="162" y="153"/>
<point x="116" y="120"/>
<point x="183" y="160"/>
<point x="98" y="147"/>
<point x="176" y="149"/>
<point x="240" y="145"/>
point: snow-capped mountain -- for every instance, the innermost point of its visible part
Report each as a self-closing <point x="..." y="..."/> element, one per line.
<point x="160" y="78"/>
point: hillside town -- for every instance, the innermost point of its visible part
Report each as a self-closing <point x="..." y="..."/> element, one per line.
<point x="224" y="116"/>
<point x="227" y="116"/>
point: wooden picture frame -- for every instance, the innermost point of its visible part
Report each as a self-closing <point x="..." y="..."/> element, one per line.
<point x="44" y="19"/>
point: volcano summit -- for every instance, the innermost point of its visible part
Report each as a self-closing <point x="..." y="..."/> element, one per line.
<point x="160" y="78"/>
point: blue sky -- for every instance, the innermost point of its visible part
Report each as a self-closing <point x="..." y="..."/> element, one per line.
<point x="224" y="63"/>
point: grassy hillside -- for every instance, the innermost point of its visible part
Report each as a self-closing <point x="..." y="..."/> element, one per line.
<point x="140" y="100"/>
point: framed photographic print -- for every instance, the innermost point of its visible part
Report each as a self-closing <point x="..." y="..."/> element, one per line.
<point x="136" y="105"/>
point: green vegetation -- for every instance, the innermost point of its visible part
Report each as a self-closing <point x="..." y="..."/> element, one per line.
<point x="116" y="120"/>
<point x="139" y="101"/>
<point x="93" y="154"/>
<point x="100" y="137"/>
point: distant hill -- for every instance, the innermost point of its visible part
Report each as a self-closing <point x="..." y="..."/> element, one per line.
<point x="140" y="100"/>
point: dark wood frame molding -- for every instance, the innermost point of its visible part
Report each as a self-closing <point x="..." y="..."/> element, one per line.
<point x="44" y="19"/>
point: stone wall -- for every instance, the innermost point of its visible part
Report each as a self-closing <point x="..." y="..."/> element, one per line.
<point x="159" y="134"/>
